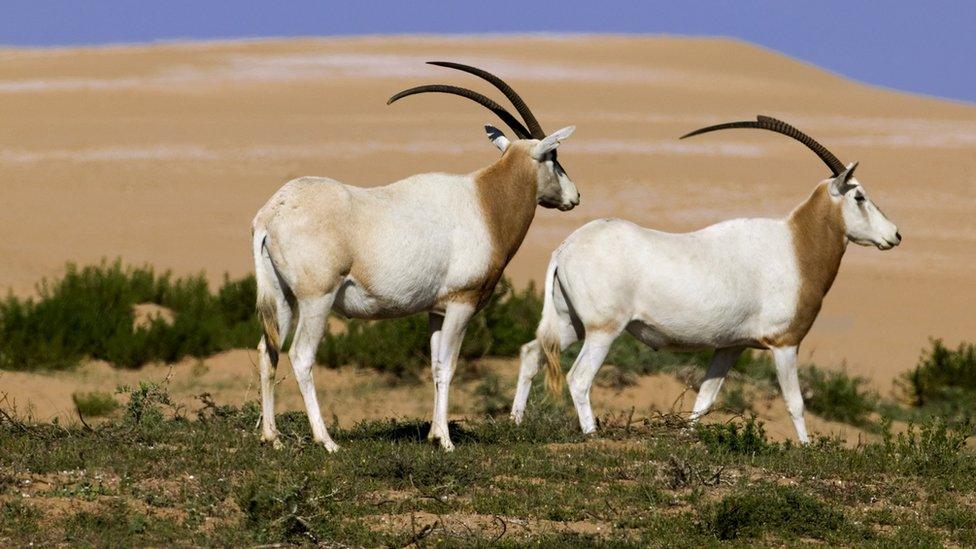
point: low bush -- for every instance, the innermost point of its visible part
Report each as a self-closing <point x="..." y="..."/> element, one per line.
<point x="837" y="396"/>
<point x="295" y="510"/>
<point x="89" y="312"/>
<point x="735" y="437"/>
<point x="94" y="404"/>
<point x="492" y="395"/>
<point x="734" y="399"/>
<point x="942" y="375"/>
<point x="399" y="346"/>
<point x="148" y="404"/>
<point x="766" y="508"/>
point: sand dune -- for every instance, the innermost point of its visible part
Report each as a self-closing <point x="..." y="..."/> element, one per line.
<point x="162" y="153"/>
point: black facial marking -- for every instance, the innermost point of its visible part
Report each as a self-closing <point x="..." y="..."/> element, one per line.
<point x="558" y="168"/>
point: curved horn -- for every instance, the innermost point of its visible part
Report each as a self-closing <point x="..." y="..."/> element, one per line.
<point x="778" y="126"/>
<point x="535" y="129"/>
<point x="499" y="110"/>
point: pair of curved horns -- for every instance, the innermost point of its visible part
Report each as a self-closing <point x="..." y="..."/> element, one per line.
<point x="778" y="126"/>
<point x="534" y="130"/>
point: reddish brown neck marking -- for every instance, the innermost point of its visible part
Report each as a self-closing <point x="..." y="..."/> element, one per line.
<point x="507" y="193"/>
<point x="818" y="231"/>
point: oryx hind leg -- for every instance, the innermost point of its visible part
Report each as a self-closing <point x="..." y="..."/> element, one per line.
<point x="268" y="365"/>
<point x="596" y="345"/>
<point x="531" y="359"/>
<point x="312" y="320"/>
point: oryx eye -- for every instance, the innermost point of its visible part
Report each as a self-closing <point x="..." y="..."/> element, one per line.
<point x="859" y="198"/>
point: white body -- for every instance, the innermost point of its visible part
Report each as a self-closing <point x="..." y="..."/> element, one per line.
<point x="726" y="285"/>
<point x="412" y="261"/>
<point x="743" y="283"/>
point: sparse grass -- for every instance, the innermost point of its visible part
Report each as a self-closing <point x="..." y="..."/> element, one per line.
<point x="150" y="479"/>
<point x="94" y="404"/>
<point x="150" y="476"/>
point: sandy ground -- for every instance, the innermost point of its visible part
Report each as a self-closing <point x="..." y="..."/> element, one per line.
<point x="162" y="154"/>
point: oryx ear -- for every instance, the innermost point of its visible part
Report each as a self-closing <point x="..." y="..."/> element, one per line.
<point x="552" y="141"/>
<point x="841" y="184"/>
<point x="497" y="138"/>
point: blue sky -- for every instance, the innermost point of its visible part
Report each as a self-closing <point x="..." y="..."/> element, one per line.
<point x="923" y="47"/>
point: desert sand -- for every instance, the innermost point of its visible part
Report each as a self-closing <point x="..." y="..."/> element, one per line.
<point x="162" y="153"/>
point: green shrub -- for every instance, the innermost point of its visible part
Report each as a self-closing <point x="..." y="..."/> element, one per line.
<point x="734" y="399"/>
<point x="89" y="313"/>
<point x="400" y="346"/>
<point x="765" y="508"/>
<point x="285" y="508"/>
<point x="942" y="374"/>
<point x="632" y="356"/>
<point x="747" y="437"/>
<point x="147" y="404"/>
<point x="492" y="397"/>
<point x="507" y="322"/>
<point x="94" y="404"/>
<point x="836" y="396"/>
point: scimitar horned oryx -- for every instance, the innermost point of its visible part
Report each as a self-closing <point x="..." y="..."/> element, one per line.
<point x="431" y="242"/>
<point x="744" y="283"/>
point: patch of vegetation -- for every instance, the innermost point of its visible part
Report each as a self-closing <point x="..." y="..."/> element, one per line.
<point x="835" y="395"/>
<point x="89" y="312"/>
<point x="18" y="520"/>
<point x="759" y="509"/>
<point x="944" y="382"/>
<point x="734" y="437"/>
<point x="494" y="399"/>
<point x="930" y="449"/>
<point x="94" y="404"/>
<point x="633" y="357"/>
<point x="153" y="477"/>
<point x="734" y="399"/>
<point x="400" y="346"/>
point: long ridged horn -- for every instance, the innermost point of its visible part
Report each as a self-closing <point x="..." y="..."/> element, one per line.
<point x="535" y="129"/>
<point x="499" y="110"/>
<point x="778" y="126"/>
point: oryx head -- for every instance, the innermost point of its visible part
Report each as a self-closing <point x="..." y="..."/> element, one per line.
<point x="554" y="188"/>
<point x="863" y="222"/>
